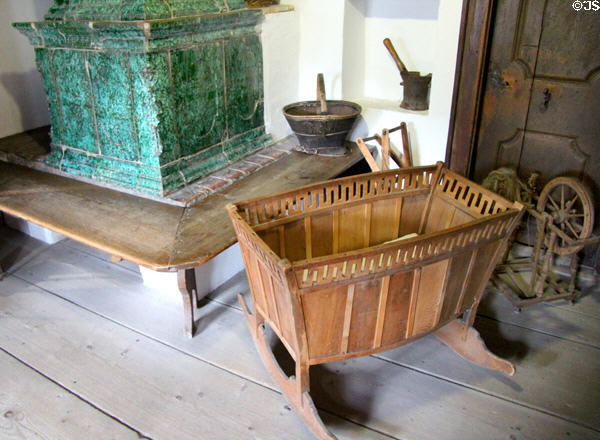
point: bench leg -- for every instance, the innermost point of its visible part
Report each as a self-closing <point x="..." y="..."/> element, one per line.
<point x="186" y="281"/>
<point x="1" y="273"/>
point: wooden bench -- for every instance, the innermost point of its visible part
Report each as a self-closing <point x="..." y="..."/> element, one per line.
<point x="156" y="235"/>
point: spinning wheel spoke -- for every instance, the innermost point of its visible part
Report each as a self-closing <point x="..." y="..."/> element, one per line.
<point x="575" y="215"/>
<point x="571" y="202"/>
<point x="562" y="196"/>
<point x="570" y="226"/>
<point x="556" y="207"/>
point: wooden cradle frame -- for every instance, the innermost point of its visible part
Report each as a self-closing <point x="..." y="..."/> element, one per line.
<point x="326" y="278"/>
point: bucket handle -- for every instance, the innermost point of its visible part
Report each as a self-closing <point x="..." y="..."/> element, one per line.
<point x="321" y="92"/>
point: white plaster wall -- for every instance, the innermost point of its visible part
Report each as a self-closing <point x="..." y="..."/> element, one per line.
<point x="321" y="46"/>
<point x="280" y="36"/>
<point x="22" y="100"/>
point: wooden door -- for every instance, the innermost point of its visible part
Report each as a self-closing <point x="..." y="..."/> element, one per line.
<point x="541" y="104"/>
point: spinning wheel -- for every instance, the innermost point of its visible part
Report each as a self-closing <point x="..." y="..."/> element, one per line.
<point x="565" y="219"/>
<point x="571" y="209"/>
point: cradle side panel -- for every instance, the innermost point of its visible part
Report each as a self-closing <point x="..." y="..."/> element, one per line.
<point x="363" y="318"/>
<point x="412" y="207"/>
<point x="429" y="296"/>
<point x="295" y="240"/>
<point x="322" y="234"/>
<point x="272" y="238"/>
<point x="485" y="258"/>
<point x="396" y="311"/>
<point x="324" y="319"/>
<point x="281" y="294"/>
<point x="271" y="298"/>
<point x="385" y="220"/>
<point x="458" y="277"/>
<point x="258" y="297"/>
<point x="354" y="227"/>
<point x="460" y="218"/>
<point x="441" y="215"/>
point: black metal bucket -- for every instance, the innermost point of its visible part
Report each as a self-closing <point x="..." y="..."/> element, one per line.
<point x="322" y="126"/>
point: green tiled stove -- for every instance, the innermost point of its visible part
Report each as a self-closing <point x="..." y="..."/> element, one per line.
<point x="150" y="95"/>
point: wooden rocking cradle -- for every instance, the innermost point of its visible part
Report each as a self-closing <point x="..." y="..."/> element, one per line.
<point x="330" y="273"/>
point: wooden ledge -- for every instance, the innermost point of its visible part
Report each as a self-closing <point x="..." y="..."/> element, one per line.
<point x="155" y="235"/>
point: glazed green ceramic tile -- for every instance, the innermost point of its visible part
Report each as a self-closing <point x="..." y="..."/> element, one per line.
<point x="127" y="175"/>
<point x="55" y="157"/>
<point x="132" y="10"/>
<point x="51" y="37"/>
<point x="44" y="64"/>
<point x="145" y="109"/>
<point x="135" y="9"/>
<point x="111" y="87"/>
<point x="245" y="143"/>
<point x="75" y="100"/>
<point x="156" y="10"/>
<point x="198" y="94"/>
<point x="245" y="101"/>
<point x="78" y="163"/>
<point x="189" y="169"/>
<point x="160" y="89"/>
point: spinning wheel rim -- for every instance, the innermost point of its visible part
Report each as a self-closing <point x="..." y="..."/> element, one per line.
<point x="574" y="202"/>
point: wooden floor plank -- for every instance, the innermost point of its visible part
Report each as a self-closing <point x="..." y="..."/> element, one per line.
<point x="553" y="375"/>
<point x="564" y="322"/>
<point x="157" y="390"/>
<point x="387" y="397"/>
<point x="587" y="304"/>
<point x="32" y="407"/>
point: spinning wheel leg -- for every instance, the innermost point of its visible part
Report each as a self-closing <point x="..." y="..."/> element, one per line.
<point x="296" y="388"/>
<point x="472" y="348"/>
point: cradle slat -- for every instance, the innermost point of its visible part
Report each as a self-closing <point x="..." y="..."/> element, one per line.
<point x="308" y="237"/>
<point x="364" y="315"/>
<point x="281" y="231"/>
<point x="381" y="308"/>
<point x="347" y="318"/>
<point x="412" y="308"/>
<point x="397" y="308"/>
<point x="336" y="232"/>
<point x="367" y="218"/>
<point x="429" y="296"/>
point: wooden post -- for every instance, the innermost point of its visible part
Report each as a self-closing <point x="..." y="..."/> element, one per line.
<point x="186" y="281"/>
